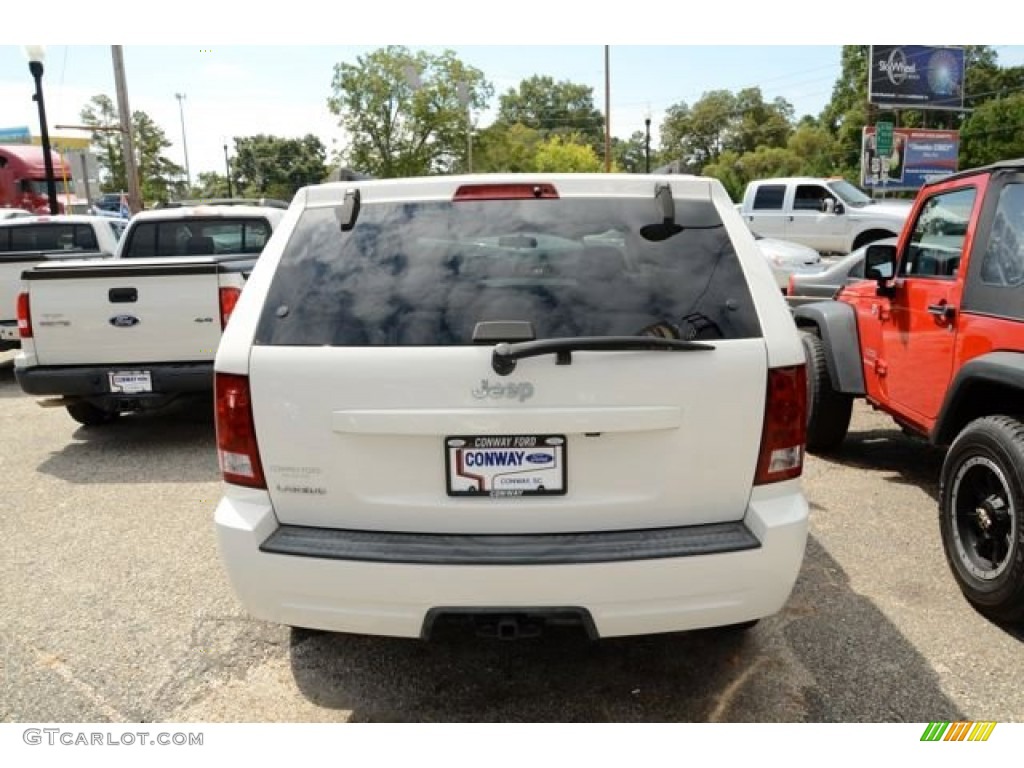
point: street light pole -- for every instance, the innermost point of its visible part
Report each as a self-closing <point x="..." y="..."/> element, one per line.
<point x="36" y="54"/>
<point x="184" y="142"/>
<point x="647" y="144"/>
<point x="227" y="167"/>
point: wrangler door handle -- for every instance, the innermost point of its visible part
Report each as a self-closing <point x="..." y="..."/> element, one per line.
<point x="942" y="310"/>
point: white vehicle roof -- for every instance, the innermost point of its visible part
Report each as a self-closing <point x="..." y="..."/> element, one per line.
<point x="209" y="211"/>
<point x="69" y="218"/>
<point x="567" y="184"/>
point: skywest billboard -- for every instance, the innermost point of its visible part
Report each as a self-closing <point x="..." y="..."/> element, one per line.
<point x="917" y="156"/>
<point x="916" y="77"/>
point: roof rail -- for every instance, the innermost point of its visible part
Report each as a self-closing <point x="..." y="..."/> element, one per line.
<point x="267" y="202"/>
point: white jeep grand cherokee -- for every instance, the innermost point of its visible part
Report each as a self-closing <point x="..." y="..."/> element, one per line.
<point x="516" y="398"/>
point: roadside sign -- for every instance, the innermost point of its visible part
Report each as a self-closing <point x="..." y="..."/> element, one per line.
<point x="883" y="138"/>
<point x="16" y="135"/>
<point x="918" y="156"/>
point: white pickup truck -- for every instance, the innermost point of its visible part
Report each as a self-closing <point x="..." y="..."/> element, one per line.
<point x="829" y="215"/>
<point x="135" y="332"/>
<point x="28" y="240"/>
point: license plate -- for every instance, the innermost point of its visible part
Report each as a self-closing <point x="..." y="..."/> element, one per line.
<point x="130" y="382"/>
<point x="505" y="465"/>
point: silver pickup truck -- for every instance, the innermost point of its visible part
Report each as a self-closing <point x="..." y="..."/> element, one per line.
<point x="26" y="241"/>
<point x="136" y="331"/>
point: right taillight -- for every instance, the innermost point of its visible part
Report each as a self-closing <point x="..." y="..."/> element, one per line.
<point x="785" y="426"/>
<point x="228" y="299"/>
<point x="24" y="315"/>
<point x="791" y="286"/>
<point x="237" y="450"/>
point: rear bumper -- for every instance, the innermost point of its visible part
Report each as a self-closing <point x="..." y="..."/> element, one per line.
<point x="708" y="587"/>
<point x="93" y="381"/>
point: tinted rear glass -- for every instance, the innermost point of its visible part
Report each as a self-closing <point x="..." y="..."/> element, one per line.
<point x="427" y="273"/>
<point x="769" y="197"/>
<point x="50" y="237"/>
<point x="197" y="236"/>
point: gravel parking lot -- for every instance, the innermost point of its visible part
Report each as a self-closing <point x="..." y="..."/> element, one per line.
<point x="114" y="607"/>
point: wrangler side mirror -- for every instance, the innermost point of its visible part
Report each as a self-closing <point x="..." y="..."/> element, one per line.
<point x="880" y="265"/>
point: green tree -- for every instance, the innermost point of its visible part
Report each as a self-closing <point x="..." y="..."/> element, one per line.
<point x="817" y="149"/>
<point x="503" y="148"/>
<point x="846" y="113"/>
<point x="100" y="113"/>
<point x="994" y="131"/>
<point x="567" y="154"/>
<point x="729" y="170"/>
<point x="697" y="135"/>
<point x="554" y="109"/>
<point x="210" y="184"/>
<point x="757" y="123"/>
<point x="272" y="166"/>
<point x="159" y="177"/>
<point x="721" y="121"/>
<point x="630" y="155"/>
<point x="405" y="112"/>
<point x="735" y="171"/>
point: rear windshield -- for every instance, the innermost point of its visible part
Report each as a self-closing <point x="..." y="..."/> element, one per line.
<point x="427" y="273"/>
<point x="48" y="237"/>
<point x="197" y="236"/>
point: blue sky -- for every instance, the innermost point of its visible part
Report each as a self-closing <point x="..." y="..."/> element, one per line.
<point x="283" y="89"/>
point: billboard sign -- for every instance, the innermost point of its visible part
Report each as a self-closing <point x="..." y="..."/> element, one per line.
<point x="17" y="135"/>
<point x="916" y="76"/>
<point x="917" y="156"/>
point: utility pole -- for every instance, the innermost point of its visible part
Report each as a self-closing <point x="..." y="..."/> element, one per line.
<point x="184" y="142"/>
<point x="607" y="113"/>
<point x="131" y="168"/>
<point x="227" y="168"/>
<point x="465" y="100"/>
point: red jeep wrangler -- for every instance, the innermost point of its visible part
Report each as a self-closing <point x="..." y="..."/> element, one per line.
<point x="937" y="342"/>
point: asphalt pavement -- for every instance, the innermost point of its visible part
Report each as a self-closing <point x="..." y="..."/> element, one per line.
<point x="114" y="608"/>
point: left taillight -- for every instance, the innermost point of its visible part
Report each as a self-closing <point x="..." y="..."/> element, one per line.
<point x="785" y="426"/>
<point x="228" y="300"/>
<point x="24" y="315"/>
<point x="237" y="449"/>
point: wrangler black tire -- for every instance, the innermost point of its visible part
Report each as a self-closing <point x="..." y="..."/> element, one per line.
<point x="828" y="411"/>
<point x="981" y="500"/>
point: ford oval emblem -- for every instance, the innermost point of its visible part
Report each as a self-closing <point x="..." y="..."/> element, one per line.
<point x="124" y="321"/>
<point x="539" y="458"/>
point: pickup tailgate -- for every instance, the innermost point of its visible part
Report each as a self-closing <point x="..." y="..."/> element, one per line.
<point x="143" y="311"/>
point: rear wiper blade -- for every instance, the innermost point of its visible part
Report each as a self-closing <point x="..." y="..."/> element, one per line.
<point x="505" y="356"/>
